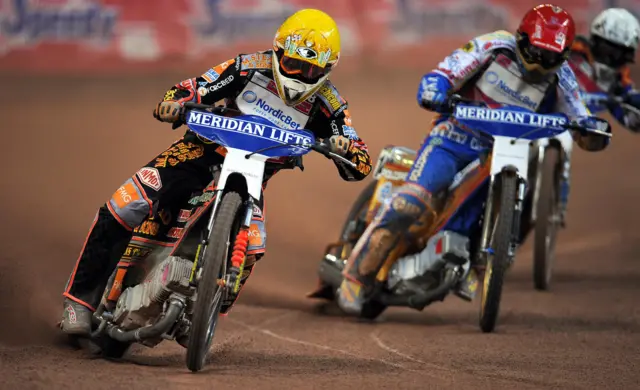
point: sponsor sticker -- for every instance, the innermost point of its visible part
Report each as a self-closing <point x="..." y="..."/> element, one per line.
<point x="125" y="195"/>
<point x="150" y="177"/>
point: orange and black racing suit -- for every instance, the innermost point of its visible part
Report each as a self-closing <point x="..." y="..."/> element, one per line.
<point x="169" y="180"/>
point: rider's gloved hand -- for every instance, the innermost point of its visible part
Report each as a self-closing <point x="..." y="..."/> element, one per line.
<point x="168" y="111"/>
<point x="433" y="92"/>
<point x="339" y="144"/>
<point x="589" y="140"/>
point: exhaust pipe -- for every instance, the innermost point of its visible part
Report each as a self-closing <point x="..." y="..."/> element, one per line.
<point x="176" y="306"/>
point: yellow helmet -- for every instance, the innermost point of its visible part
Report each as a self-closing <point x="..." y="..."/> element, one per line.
<point x="306" y="48"/>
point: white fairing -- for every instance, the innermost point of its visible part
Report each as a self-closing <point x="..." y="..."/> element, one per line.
<point x="252" y="169"/>
<point x="566" y="140"/>
<point x="505" y="154"/>
<point x="617" y="25"/>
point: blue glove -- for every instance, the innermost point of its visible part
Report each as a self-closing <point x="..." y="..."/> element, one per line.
<point x="433" y="92"/>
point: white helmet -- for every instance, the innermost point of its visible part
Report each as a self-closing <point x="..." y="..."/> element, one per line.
<point x="614" y="40"/>
<point x="618" y="26"/>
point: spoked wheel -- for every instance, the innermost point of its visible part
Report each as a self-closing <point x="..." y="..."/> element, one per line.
<point x="355" y="223"/>
<point x="209" y="294"/>
<point x="547" y="220"/>
<point x="498" y="261"/>
<point x="352" y="229"/>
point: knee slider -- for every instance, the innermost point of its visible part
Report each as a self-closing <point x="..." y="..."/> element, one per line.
<point x="129" y="204"/>
<point x="413" y="209"/>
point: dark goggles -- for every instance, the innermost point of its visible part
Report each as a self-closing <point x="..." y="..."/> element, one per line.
<point x="611" y="54"/>
<point x="536" y="55"/>
<point x="300" y="70"/>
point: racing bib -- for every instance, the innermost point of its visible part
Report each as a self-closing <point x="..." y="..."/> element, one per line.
<point x="260" y="97"/>
<point x="502" y="82"/>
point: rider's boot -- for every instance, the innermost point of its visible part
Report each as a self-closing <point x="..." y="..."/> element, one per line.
<point x="407" y="216"/>
<point x="76" y="318"/>
<point x="467" y="288"/>
<point x="105" y="244"/>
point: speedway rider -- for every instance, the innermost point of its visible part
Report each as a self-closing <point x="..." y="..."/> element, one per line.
<point x="601" y="65"/>
<point x="527" y="70"/>
<point x="601" y="62"/>
<point x="287" y="85"/>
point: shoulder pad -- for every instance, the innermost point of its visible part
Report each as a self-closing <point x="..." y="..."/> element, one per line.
<point x="495" y="40"/>
<point x="258" y="60"/>
<point x="212" y="74"/>
<point x="332" y="100"/>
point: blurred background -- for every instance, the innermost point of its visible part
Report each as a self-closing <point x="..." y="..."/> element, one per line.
<point x="80" y="78"/>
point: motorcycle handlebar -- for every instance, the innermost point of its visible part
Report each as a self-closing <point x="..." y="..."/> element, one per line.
<point x="454" y="100"/>
<point x="319" y="147"/>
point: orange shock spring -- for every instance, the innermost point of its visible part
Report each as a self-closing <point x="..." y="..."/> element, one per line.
<point x="240" y="248"/>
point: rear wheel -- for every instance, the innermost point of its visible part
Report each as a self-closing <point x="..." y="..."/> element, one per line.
<point x="355" y="224"/>
<point x="547" y="219"/>
<point x="352" y="229"/>
<point x="498" y="261"/>
<point x="210" y="294"/>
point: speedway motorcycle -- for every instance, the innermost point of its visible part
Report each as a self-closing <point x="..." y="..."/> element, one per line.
<point x="542" y="207"/>
<point x="179" y="296"/>
<point x="497" y="182"/>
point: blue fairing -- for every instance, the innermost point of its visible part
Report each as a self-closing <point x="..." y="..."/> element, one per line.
<point x="509" y="121"/>
<point x="250" y="133"/>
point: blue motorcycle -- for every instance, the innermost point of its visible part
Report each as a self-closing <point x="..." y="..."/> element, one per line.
<point x="180" y="294"/>
<point x="476" y="235"/>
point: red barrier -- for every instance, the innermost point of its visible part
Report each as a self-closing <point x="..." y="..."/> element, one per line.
<point x="104" y="36"/>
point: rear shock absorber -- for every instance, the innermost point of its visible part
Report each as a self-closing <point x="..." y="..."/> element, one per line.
<point x="238" y="257"/>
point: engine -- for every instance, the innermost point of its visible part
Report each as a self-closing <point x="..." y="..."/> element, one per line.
<point x="419" y="271"/>
<point x="140" y="305"/>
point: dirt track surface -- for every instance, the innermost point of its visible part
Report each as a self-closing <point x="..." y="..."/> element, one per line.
<point x="67" y="144"/>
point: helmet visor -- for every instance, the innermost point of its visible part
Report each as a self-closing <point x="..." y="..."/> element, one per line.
<point x="301" y="70"/>
<point x="534" y="55"/>
<point x="611" y="54"/>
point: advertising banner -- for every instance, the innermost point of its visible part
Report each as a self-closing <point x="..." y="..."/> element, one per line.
<point x="114" y="36"/>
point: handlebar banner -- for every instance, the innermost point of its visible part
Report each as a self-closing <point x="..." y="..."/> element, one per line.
<point x="509" y="117"/>
<point x="248" y="127"/>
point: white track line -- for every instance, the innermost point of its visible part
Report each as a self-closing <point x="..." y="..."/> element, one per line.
<point x="387" y="348"/>
<point x="318" y="346"/>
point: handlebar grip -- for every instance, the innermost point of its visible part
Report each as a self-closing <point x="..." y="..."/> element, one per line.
<point x="321" y="148"/>
<point x="456" y="99"/>
<point x="583" y="130"/>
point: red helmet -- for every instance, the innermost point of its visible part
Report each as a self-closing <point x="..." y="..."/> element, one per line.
<point x="544" y="38"/>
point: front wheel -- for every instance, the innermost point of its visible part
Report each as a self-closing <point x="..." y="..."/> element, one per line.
<point x="501" y="242"/>
<point x="209" y="293"/>
<point x="547" y="219"/>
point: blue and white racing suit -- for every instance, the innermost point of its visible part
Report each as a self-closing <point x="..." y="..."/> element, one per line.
<point x="483" y="70"/>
